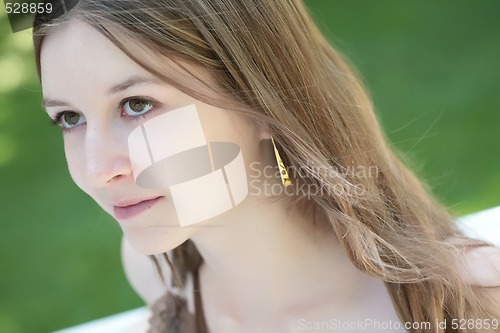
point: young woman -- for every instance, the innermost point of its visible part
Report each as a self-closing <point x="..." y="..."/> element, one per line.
<point x="230" y="139"/>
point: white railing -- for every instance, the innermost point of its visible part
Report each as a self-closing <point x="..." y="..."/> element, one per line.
<point x="132" y="321"/>
<point x="483" y="225"/>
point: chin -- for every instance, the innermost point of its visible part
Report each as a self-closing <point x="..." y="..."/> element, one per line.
<point x="154" y="240"/>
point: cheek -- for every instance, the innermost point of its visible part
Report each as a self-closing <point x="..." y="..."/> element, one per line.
<point x="226" y="126"/>
<point x="75" y="161"/>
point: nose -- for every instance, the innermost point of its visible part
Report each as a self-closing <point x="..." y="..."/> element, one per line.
<point x="106" y="156"/>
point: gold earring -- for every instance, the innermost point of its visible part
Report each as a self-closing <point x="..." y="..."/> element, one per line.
<point x="285" y="179"/>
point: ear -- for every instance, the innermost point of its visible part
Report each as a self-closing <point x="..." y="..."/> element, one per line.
<point x="264" y="132"/>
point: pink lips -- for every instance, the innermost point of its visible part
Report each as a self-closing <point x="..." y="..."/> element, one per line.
<point x="127" y="211"/>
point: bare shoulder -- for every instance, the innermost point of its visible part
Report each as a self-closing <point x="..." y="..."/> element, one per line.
<point x="481" y="266"/>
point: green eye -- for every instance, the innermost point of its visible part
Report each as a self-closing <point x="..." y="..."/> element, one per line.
<point x="137" y="106"/>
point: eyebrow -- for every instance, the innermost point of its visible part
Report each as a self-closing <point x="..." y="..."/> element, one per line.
<point x="130" y="82"/>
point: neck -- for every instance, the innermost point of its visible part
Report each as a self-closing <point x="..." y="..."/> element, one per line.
<point x="271" y="260"/>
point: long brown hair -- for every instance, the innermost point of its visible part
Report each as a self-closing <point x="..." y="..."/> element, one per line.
<point x="270" y="63"/>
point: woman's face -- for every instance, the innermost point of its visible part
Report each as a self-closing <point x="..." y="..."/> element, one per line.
<point x="101" y="97"/>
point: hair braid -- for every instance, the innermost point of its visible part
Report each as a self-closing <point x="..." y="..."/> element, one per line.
<point x="170" y="313"/>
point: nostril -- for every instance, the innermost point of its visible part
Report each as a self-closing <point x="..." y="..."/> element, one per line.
<point x="106" y="156"/>
<point x="121" y="177"/>
<point x="115" y="178"/>
<point x="107" y="173"/>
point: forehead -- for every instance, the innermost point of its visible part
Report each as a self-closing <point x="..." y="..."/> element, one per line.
<point x="77" y="56"/>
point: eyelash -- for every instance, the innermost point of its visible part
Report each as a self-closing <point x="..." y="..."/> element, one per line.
<point x="56" y="120"/>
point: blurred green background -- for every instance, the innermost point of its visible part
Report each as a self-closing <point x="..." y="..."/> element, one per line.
<point x="433" y="69"/>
